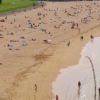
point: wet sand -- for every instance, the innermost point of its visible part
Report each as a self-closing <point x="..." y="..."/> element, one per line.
<point x="36" y="44"/>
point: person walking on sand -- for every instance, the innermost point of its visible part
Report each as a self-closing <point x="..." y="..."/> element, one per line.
<point x="73" y="25"/>
<point x="68" y="44"/>
<point x="81" y="37"/>
<point x="92" y="37"/>
<point x="35" y="87"/>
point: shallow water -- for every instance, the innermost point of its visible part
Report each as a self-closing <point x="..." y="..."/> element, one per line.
<point x="66" y="84"/>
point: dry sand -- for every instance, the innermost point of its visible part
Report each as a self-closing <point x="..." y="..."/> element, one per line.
<point x="34" y="46"/>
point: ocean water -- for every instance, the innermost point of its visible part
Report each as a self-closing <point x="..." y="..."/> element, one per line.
<point x="66" y="84"/>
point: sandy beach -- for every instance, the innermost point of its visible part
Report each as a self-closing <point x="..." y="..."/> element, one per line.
<point x="37" y="43"/>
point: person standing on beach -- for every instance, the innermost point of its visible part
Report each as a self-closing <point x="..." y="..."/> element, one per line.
<point x="35" y="87"/>
<point x="79" y="87"/>
<point x="57" y="97"/>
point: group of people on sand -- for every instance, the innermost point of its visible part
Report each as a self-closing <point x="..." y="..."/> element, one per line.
<point x="81" y="37"/>
<point x="72" y="11"/>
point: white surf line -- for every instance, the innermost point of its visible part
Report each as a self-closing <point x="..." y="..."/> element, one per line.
<point x="66" y="84"/>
